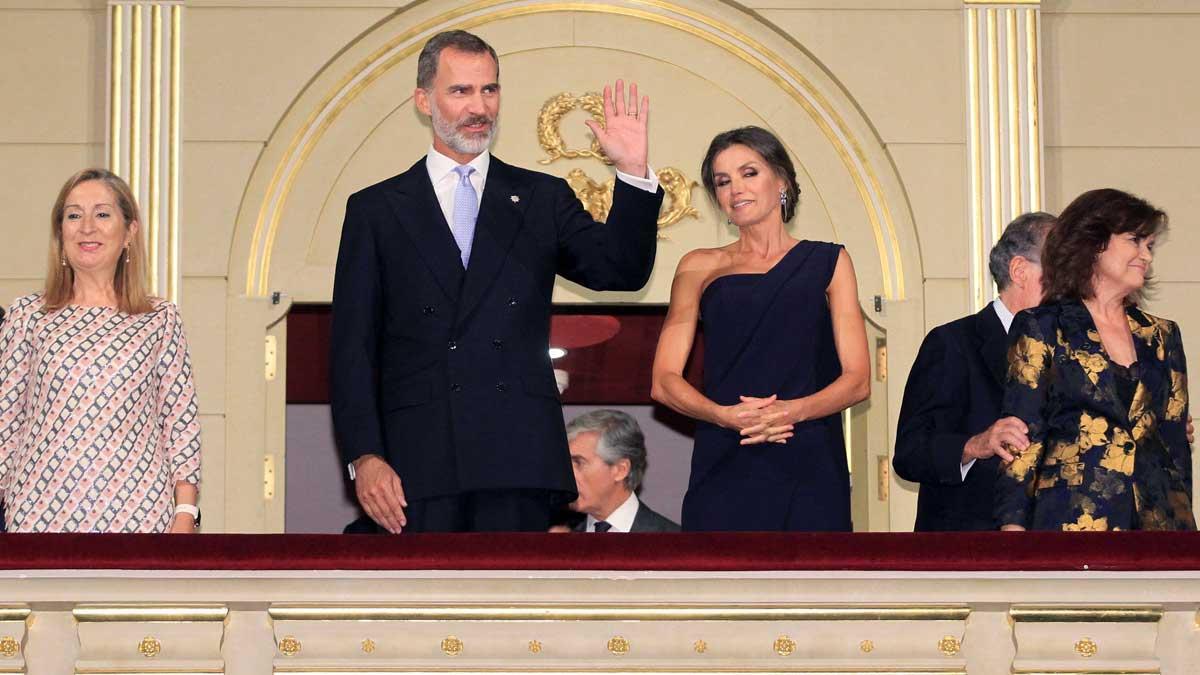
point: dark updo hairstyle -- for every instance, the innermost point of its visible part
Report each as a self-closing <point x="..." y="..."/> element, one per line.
<point x="1082" y="233"/>
<point x="765" y="144"/>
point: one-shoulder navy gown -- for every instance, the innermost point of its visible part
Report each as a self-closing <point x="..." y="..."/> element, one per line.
<point x="770" y="334"/>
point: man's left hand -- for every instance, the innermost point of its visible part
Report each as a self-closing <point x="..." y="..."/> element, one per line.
<point x="623" y="137"/>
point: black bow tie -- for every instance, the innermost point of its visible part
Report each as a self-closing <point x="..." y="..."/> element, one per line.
<point x="602" y="526"/>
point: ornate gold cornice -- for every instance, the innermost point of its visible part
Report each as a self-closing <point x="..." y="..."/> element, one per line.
<point x="1045" y="614"/>
<point x="607" y="612"/>
<point x="139" y="613"/>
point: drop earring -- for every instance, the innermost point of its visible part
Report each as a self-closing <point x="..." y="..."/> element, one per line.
<point x="126" y="254"/>
<point x="63" y="260"/>
<point x="783" y="200"/>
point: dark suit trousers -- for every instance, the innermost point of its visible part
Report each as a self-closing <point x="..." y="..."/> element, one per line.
<point x="483" y="511"/>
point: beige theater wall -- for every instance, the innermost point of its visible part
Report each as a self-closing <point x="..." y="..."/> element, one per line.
<point x="1119" y="102"/>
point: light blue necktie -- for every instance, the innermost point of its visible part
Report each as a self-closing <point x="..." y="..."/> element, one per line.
<point x="466" y="210"/>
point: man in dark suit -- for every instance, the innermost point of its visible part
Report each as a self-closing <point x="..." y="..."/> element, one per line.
<point x="608" y="454"/>
<point x="444" y="401"/>
<point x="949" y="438"/>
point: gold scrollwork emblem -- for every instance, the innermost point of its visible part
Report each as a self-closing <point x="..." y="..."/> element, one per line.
<point x="949" y="645"/>
<point x="597" y="197"/>
<point x="368" y="646"/>
<point x="452" y="646"/>
<point x="535" y="647"/>
<point x="1086" y="648"/>
<point x="9" y="646"/>
<point x="289" y="646"/>
<point x="149" y="647"/>
<point x="700" y="646"/>
<point x="549" y="134"/>
<point x="866" y="646"/>
<point x="784" y="645"/>
<point x="618" y="646"/>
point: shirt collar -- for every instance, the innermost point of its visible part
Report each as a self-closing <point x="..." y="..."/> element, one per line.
<point x="1006" y="316"/>
<point x="440" y="166"/>
<point x="621" y="518"/>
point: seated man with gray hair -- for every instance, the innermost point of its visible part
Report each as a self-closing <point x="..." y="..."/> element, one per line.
<point x="608" y="454"/>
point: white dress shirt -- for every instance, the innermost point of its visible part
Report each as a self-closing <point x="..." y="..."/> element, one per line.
<point x="621" y="519"/>
<point x="1006" y="319"/>
<point x="445" y="180"/>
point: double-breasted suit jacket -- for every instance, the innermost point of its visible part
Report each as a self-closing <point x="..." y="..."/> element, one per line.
<point x="953" y="392"/>
<point x="445" y="371"/>
<point x="1093" y="463"/>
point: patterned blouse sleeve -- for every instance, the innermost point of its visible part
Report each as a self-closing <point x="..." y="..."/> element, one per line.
<point x="1030" y="357"/>
<point x="1173" y="427"/>
<point x="15" y="352"/>
<point x="178" y="413"/>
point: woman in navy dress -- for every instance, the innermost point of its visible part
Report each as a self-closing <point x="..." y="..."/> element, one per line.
<point x="785" y="352"/>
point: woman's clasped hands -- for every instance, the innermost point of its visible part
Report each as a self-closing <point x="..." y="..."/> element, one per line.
<point x="762" y="419"/>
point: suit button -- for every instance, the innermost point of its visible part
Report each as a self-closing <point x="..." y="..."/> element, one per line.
<point x="498" y="344"/>
<point x="512" y="301"/>
<point x="452" y="345"/>
<point x="500" y="386"/>
<point x="427" y="310"/>
<point x="456" y="388"/>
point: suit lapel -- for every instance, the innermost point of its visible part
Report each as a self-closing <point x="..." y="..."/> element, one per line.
<point x="420" y="216"/>
<point x="1149" y="345"/>
<point x="500" y="218"/>
<point x="1087" y="353"/>
<point x="993" y="343"/>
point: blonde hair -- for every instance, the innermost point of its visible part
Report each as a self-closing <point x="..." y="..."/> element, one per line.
<point x="129" y="280"/>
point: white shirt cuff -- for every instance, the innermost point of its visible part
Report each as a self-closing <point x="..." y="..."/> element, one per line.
<point x="965" y="468"/>
<point x="648" y="184"/>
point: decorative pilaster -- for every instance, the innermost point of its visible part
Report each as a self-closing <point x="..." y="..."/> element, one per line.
<point x="1003" y="108"/>
<point x="143" y="124"/>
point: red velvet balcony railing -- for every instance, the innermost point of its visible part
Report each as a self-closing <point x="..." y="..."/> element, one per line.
<point x="988" y="551"/>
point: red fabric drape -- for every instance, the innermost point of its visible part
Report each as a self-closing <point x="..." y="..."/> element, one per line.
<point x="987" y="551"/>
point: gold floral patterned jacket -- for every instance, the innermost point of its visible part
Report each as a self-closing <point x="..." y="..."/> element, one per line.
<point x="1092" y="464"/>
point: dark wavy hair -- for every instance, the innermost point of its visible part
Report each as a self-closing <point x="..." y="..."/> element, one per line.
<point x="1082" y="233"/>
<point x="765" y="144"/>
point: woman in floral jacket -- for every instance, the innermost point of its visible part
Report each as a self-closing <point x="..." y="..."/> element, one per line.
<point x="1101" y="384"/>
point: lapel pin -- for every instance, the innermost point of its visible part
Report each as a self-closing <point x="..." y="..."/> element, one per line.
<point x="515" y="199"/>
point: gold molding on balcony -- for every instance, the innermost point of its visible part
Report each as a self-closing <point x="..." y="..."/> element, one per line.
<point x="291" y="670"/>
<point x="14" y="613"/>
<point x="139" y="613"/>
<point x="604" y="612"/>
<point x="1036" y="614"/>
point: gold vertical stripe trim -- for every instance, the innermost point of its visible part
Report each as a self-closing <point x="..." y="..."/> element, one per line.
<point x="154" y="202"/>
<point x="135" y="103"/>
<point x="995" y="190"/>
<point x="173" y="167"/>
<point x="116" y="53"/>
<point x="976" y="158"/>
<point x="1033" y="106"/>
<point x="1013" y="79"/>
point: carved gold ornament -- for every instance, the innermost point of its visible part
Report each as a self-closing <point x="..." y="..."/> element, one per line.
<point x="866" y="646"/>
<point x="700" y="646"/>
<point x="452" y="646"/>
<point x="1087" y="648"/>
<point x="949" y="645"/>
<point x="618" y="646"/>
<point x="597" y="197"/>
<point x="9" y="646"/>
<point x="289" y="646"/>
<point x="368" y="646"/>
<point x="784" y="645"/>
<point x="535" y="647"/>
<point x="149" y="647"/>
<point x="549" y="134"/>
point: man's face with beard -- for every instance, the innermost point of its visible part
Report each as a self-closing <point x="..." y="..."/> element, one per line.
<point x="463" y="103"/>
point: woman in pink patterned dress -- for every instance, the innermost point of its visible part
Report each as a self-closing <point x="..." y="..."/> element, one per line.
<point x="98" y="421"/>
